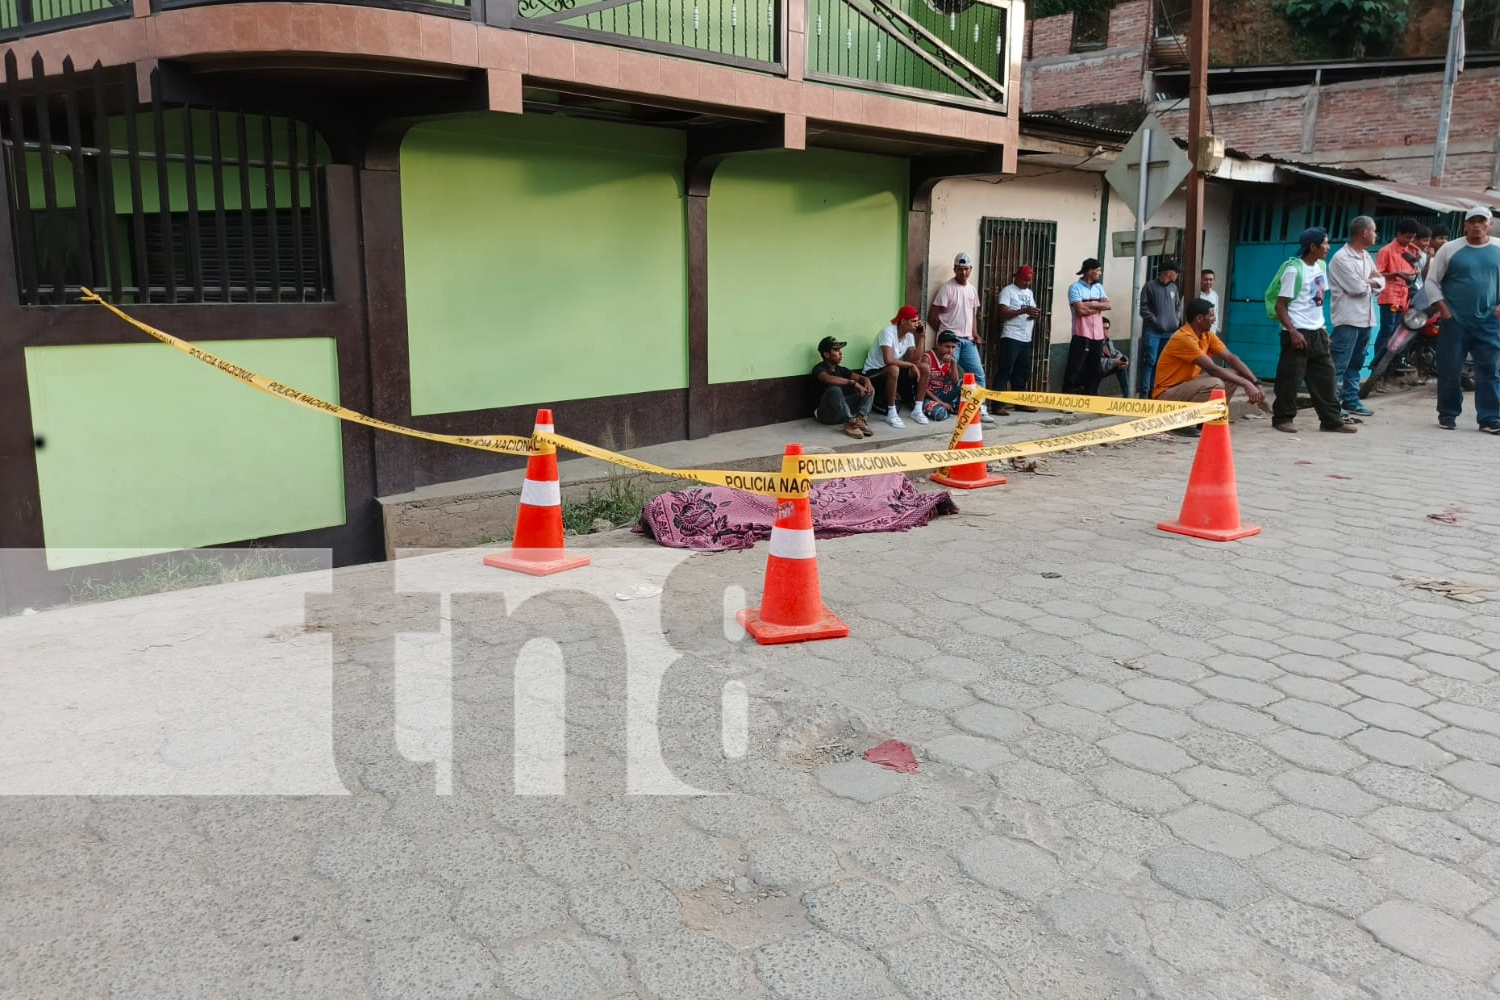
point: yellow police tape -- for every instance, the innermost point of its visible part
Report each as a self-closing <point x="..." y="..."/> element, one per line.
<point x="504" y="444"/>
<point x="767" y="484"/>
<point x="798" y="472"/>
<point x="817" y="467"/>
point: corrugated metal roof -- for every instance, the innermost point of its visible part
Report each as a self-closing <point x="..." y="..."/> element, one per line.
<point x="1438" y="199"/>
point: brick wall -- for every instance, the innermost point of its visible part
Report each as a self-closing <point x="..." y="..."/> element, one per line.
<point x="1386" y="126"/>
<point x="1111" y="75"/>
<point x="1101" y="80"/>
<point x="1271" y="126"/>
<point x="1130" y="24"/>
<point x="1051" y="36"/>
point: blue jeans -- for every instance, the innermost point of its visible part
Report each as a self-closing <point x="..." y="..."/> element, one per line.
<point x="969" y="360"/>
<point x="1348" y="345"/>
<point x="1388" y="321"/>
<point x="1482" y="342"/>
<point x="1151" y="345"/>
<point x="1015" y="365"/>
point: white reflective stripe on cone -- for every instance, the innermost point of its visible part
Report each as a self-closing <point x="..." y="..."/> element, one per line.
<point x="535" y="494"/>
<point x="973" y="432"/>
<point x="792" y="543"/>
<point x="545" y="429"/>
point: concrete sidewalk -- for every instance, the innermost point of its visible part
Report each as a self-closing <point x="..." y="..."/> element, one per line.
<point x="1149" y="766"/>
<point x="470" y="511"/>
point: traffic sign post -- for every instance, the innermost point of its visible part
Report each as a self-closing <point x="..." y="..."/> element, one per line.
<point x="1146" y="173"/>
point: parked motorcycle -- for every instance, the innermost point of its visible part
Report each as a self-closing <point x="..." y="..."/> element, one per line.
<point x="1416" y="337"/>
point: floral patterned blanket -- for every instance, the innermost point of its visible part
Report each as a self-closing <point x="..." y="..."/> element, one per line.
<point x="716" y="519"/>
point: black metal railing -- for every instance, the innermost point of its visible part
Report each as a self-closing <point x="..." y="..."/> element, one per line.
<point x="20" y="18"/>
<point x="168" y="205"/>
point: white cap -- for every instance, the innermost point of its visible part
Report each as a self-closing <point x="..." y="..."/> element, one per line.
<point x="1477" y="212"/>
<point x="963" y="260"/>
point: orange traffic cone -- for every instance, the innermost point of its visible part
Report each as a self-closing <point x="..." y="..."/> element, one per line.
<point x="1211" y="508"/>
<point x="537" y="548"/>
<point x="972" y="475"/>
<point x="792" y="603"/>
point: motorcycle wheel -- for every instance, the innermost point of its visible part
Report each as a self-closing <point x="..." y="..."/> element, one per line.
<point x="1376" y="371"/>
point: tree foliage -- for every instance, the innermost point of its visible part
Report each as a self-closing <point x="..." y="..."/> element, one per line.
<point x="1356" y="28"/>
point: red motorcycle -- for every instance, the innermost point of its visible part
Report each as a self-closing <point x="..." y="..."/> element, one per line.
<point x="1415" y="336"/>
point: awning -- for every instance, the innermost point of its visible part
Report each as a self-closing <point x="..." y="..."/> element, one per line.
<point x="1438" y="199"/>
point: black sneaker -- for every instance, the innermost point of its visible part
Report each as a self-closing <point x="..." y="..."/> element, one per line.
<point x="1446" y="423"/>
<point x="1490" y="427"/>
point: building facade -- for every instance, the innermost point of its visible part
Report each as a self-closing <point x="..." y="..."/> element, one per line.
<point x="444" y="215"/>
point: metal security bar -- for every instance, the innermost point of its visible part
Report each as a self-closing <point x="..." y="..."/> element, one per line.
<point x="170" y="205"/>
<point x="736" y="32"/>
<point x="21" y="18"/>
<point x="1004" y="245"/>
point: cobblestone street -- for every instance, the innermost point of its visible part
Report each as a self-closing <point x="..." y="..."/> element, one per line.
<point x="1149" y="766"/>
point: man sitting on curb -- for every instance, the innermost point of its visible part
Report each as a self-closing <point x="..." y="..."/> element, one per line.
<point x="841" y="396"/>
<point x="943" y="391"/>
<point x="898" y="368"/>
<point x="1187" y="370"/>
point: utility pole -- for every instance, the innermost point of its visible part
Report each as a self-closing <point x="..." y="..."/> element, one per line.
<point x="1192" y="243"/>
<point x="1450" y="78"/>
<point x="1136" y="330"/>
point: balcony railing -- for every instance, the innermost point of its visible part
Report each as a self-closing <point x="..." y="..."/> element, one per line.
<point x="956" y="51"/>
<point x="743" y="32"/>
<point x="19" y="18"/>
<point x="924" y="47"/>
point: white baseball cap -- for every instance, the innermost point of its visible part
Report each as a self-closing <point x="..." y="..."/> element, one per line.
<point x="1477" y="212"/>
<point x="963" y="260"/>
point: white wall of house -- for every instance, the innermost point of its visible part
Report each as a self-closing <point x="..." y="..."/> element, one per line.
<point x="1071" y="198"/>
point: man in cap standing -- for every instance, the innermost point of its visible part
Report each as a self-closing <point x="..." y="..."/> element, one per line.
<point x="1161" y="315"/>
<point x="1305" y="355"/>
<point x="1018" y="313"/>
<point x="1088" y="303"/>
<point x="1463" y="282"/>
<point x="953" y="308"/>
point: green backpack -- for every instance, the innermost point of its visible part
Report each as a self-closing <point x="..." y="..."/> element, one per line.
<point x="1273" y="290"/>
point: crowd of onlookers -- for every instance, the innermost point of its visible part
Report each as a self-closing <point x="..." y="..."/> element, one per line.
<point x="1420" y="277"/>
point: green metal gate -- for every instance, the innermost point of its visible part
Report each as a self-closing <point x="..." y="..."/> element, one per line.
<point x="1004" y="245"/>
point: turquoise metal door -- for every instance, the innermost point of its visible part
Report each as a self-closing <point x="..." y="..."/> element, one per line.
<point x="1266" y="232"/>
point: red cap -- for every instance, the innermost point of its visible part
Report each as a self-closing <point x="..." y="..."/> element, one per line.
<point x="1025" y="271"/>
<point x="907" y="312"/>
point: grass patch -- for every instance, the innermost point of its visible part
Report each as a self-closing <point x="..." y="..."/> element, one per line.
<point x="619" y="503"/>
<point x="182" y="571"/>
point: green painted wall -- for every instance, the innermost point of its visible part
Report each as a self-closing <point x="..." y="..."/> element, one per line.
<point x="545" y="259"/>
<point x="802" y="244"/>
<point x="147" y="450"/>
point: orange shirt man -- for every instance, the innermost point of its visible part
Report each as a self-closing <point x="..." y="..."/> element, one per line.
<point x="1188" y="370"/>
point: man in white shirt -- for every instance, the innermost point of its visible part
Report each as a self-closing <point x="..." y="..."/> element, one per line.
<point x="953" y="308"/>
<point x="1304" y="341"/>
<point x="896" y="367"/>
<point x="1206" y="292"/>
<point x="1354" y="283"/>
<point x="1018" y="313"/>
